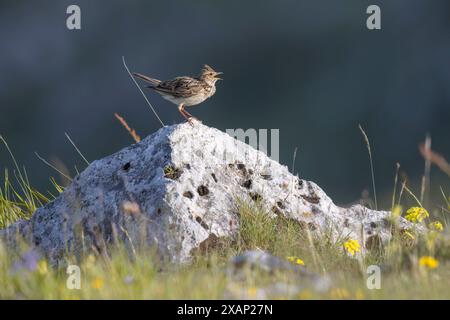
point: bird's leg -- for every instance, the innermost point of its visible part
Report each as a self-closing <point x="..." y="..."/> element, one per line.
<point x="181" y="109"/>
<point x="190" y="115"/>
<point x="184" y="113"/>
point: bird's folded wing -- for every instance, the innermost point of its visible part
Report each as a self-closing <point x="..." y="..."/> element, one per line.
<point x="179" y="87"/>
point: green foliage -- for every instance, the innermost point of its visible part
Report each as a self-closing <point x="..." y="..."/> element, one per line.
<point x="145" y="277"/>
<point x="18" y="199"/>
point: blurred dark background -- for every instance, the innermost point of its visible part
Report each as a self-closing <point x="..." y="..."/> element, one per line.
<point x="308" y="67"/>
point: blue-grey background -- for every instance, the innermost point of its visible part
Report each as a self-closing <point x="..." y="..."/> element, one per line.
<point x="308" y="67"/>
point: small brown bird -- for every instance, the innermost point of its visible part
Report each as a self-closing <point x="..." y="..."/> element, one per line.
<point x="186" y="91"/>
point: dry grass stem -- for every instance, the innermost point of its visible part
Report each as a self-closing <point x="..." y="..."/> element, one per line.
<point x="131" y="131"/>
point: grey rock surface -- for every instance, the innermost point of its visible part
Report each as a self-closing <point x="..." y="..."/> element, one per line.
<point x="247" y="263"/>
<point x="177" y="190"/>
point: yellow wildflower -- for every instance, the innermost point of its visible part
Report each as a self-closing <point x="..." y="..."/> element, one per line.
<point x="339" y="293"/>
<point x="397" y="211"/>
<point x="436" y="226"/>
<point x="352" y="246"/>
<point x="252" y="292"/>
<point x="300" y="262"/>
<point x="296" y="260"/>
<point x="359" y="294"/>
<point x="97" y="283"/>
<point x="42" y="267"/>
<point x="416" y="214"/>
<point x="305" y="295"/>
<point x="428" y="262"/>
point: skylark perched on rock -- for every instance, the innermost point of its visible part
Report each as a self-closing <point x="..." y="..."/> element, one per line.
<point x="186" y="91"/>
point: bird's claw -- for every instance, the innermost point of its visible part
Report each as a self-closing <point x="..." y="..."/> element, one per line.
<point x="192" y="119"/>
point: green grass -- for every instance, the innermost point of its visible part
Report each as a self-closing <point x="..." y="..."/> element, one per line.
<point x="146" y="277"/>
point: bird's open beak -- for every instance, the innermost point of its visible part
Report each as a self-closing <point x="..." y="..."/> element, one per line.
<point x="217" y="74"/>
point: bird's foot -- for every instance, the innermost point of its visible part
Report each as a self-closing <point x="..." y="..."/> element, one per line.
<point x="192" y="120"/>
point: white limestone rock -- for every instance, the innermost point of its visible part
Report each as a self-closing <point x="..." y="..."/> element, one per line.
<point x="177" y="190"/>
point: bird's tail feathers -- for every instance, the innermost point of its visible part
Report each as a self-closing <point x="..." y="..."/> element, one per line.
<point x="148" y="79"/>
